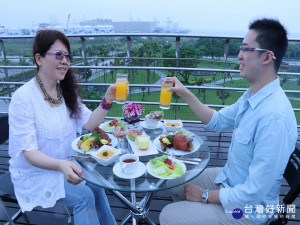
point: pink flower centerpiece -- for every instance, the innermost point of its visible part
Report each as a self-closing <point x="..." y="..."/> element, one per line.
<point x="132" y="112"/>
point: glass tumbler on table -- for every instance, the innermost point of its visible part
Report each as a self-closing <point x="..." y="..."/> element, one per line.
<point x="120" y="133"/>
<point x="165" y="95"/>
<point x="121" y="88"/>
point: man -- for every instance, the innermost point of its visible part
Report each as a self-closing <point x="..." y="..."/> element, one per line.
<point x="264" y="136"/>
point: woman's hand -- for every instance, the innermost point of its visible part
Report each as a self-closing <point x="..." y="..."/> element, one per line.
<point x="110" y="94"/>
<point x="69" y="170"/>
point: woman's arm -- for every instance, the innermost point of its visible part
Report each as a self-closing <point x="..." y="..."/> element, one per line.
<point x="68" y="168"/>
<point x="99" y="113"/>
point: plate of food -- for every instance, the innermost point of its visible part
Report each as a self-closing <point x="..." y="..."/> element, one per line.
<point x="165" y="167"/>
<point x="140" y="143"/>
<point x="178" y="143"/>
<point x="91" y="142"/>
<point x="110" y="126"/>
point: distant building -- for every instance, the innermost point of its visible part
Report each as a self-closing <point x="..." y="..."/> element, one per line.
<point x="124" y="27"/>
<point x="99" y="26"/>
<point x="99" y="29"/>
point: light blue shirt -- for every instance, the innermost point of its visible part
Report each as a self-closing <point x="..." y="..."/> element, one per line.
<point x="264" y="136"/>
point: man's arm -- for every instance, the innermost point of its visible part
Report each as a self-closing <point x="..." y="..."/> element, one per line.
<point x="203" y="112"/>
<point x="194" y="193"/>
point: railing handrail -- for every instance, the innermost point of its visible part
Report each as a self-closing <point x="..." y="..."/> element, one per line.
<point x="152" y="85"/>
<point x="148" y="68"/>
<point x="142" y="35"/>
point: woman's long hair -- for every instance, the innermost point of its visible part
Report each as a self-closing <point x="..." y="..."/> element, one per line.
<point x="42" y="43"/>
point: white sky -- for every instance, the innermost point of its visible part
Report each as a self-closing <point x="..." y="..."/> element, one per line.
<point x="219" y="16"/>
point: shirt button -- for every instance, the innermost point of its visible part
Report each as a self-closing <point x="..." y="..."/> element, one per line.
<point x="239" y="138"/>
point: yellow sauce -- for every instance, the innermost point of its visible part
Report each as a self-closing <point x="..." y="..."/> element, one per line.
<point x="105" y="156"/>
<point x="172" y="124"/>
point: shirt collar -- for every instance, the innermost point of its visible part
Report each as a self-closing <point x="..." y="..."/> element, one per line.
<point x="262" y="93"/>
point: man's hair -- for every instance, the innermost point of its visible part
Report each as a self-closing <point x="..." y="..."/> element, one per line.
<point x="272" y="36"/>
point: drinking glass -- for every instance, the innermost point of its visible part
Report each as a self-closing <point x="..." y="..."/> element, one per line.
<point x="121" y="88"/>
<point x="120" y="133"/>
<point x="165" y="96"/>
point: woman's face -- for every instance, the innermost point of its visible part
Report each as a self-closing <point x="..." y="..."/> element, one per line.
<point x="50" y="66"/>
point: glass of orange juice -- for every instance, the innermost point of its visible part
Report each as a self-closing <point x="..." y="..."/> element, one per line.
<point x="165" y="95"/>
<point x="121" y="88"/>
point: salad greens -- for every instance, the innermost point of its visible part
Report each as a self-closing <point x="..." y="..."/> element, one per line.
<point x="85" y="137"/>
<point x="166" y="167"/>
<point x="95" y="136"/>
<point x="108" y="128"/>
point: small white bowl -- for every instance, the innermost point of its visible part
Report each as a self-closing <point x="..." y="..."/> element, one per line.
<point x="151" y="123"/>
<point x="106" y="162"/>
<point x="170" y="128"/>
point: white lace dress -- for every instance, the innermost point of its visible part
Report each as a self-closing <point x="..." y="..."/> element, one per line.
<point x="34" y="124"/>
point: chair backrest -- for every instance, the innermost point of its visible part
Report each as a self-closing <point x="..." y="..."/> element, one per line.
<point x="292" y="175"/>
<point x="3" y="128"/>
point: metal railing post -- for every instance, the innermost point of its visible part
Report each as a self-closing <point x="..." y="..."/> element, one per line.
<point x="83" y="53"/>
<point x="128" y="38"/>
<point x="177" y="50"/>
<point x="3" y="53"/>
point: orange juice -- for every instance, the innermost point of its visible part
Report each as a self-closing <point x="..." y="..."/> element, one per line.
<point x="165" y="96"/>
<point x="121" y="89"/>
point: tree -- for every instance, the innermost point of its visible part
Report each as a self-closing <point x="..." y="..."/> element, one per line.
<point x="143" y="90"/>
<point x="199" y="82"/>
<point x="213" y="47"/>
<point x="149" y="49"/>
<point x="187" y="51"/>
<point x="86" y="73"/>
<point x="223" y="95"/>
<point x="283" y="80"/>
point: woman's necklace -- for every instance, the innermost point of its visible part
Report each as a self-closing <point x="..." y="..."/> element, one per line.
<point x="47" y="97"/>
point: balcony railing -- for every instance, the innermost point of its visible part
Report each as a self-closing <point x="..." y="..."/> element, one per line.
<point x="7" y="71"/>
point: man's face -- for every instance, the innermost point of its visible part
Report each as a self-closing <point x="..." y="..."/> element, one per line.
<point x="250" y="61"/>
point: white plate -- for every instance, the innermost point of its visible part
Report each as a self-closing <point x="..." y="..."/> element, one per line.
<point x="149" y="168"/>
<point x="152" y="150"/>
<point x="112" y="129"/>
<point x="139" y="172"/>
<point x="114" y="142"/>
<point x="144" y="125"/>
<point x="172" y="151"/>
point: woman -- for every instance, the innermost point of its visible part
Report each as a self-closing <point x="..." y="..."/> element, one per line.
<point x="44" y="116"/>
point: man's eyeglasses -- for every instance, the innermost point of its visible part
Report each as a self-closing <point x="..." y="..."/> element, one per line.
<point x="60" y="55"/>
<point x="246" y="49"/>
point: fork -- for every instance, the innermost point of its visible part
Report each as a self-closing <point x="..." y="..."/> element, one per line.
<point x="74" y="157"/>
<point x="194" y="161"/>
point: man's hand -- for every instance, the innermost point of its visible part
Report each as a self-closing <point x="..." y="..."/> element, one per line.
<point x="193" y="193"/>
<point x="178" y="87"/>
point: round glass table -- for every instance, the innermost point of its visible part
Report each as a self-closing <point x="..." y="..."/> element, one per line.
<point x="103" y="176"/>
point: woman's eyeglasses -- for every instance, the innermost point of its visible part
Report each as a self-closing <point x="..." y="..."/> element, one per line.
<point x="60" y="56"/>
<point x="246" y="49"/>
